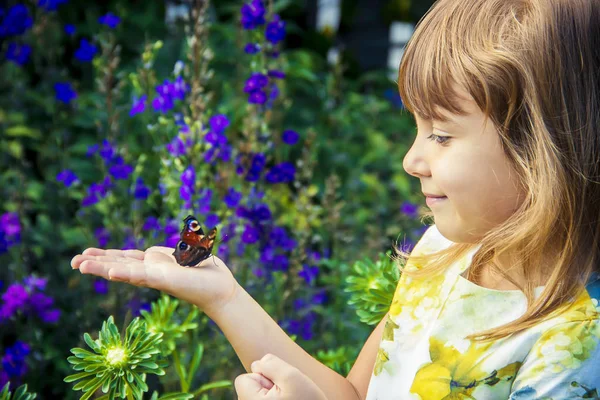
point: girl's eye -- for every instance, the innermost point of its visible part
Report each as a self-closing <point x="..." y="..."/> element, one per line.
<point x="439" y="139"/>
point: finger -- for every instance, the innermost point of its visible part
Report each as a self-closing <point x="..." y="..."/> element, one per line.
<point x="78" y="259"/>
<point x="274" y="368"/>
<point x="130" y="253"/>
<point x="250" y="387"/>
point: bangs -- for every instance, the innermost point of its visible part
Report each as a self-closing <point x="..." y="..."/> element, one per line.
<point x="452" y="50"/>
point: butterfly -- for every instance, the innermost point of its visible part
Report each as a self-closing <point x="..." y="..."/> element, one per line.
<point x="193" y="245"/>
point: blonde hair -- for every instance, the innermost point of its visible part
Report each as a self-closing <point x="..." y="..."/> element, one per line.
<point x="532" y="68"/>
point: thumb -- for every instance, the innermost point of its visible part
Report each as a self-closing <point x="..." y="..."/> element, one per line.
<point x="273" y="368"/>
<point x="252" y="386"/>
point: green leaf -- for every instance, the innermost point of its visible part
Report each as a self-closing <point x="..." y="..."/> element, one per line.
<point x="74" y="377"/>
<point x="195" y="363"/>
<point x="212" y="385"/>
<point x="23" y="131"/>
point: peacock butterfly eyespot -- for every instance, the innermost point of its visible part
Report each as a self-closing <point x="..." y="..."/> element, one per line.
<point x="193" y="246"/>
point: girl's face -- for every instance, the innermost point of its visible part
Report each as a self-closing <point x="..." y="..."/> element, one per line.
<point x="466" y="164"/>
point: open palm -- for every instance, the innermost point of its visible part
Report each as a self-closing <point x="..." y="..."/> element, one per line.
<point x="209" y="285"/>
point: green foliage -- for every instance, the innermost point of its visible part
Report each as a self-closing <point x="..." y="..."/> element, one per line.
<point x="162" y="319"/>
<point x="20" y="394"/>
<point x="372" y="285"/>
<point x="117" y="366"/>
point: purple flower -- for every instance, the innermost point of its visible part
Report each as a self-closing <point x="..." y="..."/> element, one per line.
<point x="141" y="191"/>
<point x="218" y="123"/>
<point x="276" y="74"/>
<point x="409" y="209"/>
<point x="151" y="224"/>
<point x="64" y="92"/>
<point x="86" y="51"/>
<point x="13" y="362"/>
<point x="101" y="286"/>
<point x="290" y="137"/>
<point x="139" y="106"/>
<point x="10" y="225"/>
<point x="102" y="235"/>
<point x="255" y="82"/>
<point x="14" y="299"/>
<point x="204" y="200"/>
<point x="120" y="171"/>
<point x="309" y="273"/>
<point x="188" y="177"/>
<point x="70" y="29"/>
<point x="186" y="192"/>
<point x="32" y="282"/>
<point x="232" y="198"/>
<point x="16" y="21"/>
<point x="19" y="54"/>
<point x="107" y="152"/>
<point x="281" y="263"/>
<point x="281" y="173"/>
<point x="50" y="5"/>
<point x="162" y="104"/>
<point x="320" y="297"/>
<point x="250" y="235"/>
<point x="253" y="14"/>
<point x="257" y="97"/>
<point x="275" y="31"/>
<point x="211" y="220"/>
<point x="252" y="48"/>
<point x="67" y="177"/>
<point x="110" y="20"/>
<point x="176" y="147"/>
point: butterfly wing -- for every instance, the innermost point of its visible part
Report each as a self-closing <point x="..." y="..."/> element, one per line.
<point x="193" y="246"/>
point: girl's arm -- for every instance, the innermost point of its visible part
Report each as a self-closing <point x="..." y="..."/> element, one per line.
<point x="253" y="333"/>
<point x="361" y="372"/>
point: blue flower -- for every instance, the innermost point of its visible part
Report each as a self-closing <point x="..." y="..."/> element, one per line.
<point x="14" y="299"/>
<point x="86" y="51"/>
<point x="256" y="81"/>
<point x="409" y="209"/>
<point x="204" y="200"/>
<point x="139" y="106"/>
<point x="281" y="173"/>
<point x="151" y="224"/>
<point x="290" y="137"/>
<point x="218" y="123"/>
<point x="275" y="31"/>
<point x="120" y="170"/>
<point x="110" y="20"/>
<point x="141" y="191"/>
<point x="64" y="92"/>
<point x="70" y="29"/>
<point x="232" y="198"/>
<point x="274" y="73"/>
<point x="102" y="235"/>
<point x="176" y="147"/>
<point x="67" y="177"/>
<point x="250" y="235"/>
<point x="253" y="14"/>
<point x="257" y="97"/>
<point x="50" y="5"/>
<point x="19" y="54"/>
<point x="188" y="177"/>
<point x="13" y="361"/>
<point x="212" y="220"/>
<point x="101" y="286"/>
<point x="16" y="21"/>
<point x="252" y="48"/>
<point x="309" y="273"/>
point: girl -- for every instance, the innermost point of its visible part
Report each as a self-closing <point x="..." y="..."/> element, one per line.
<point x="499" y="299"/>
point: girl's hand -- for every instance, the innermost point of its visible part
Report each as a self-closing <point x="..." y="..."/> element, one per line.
<point x="274" y="379"/>
<point x="209" y="285"/>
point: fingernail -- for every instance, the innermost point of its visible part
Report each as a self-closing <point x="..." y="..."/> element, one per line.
<point x="253" y="365"/>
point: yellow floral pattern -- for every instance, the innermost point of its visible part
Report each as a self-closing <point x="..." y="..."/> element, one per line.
<point x="424" y="353"/>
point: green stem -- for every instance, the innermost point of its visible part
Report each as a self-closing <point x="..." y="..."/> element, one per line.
<point x="129" y="394"/>
<point x="180" y="373"/>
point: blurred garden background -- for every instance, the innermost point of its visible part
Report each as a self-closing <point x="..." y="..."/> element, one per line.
<point x="277" y="121"/>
